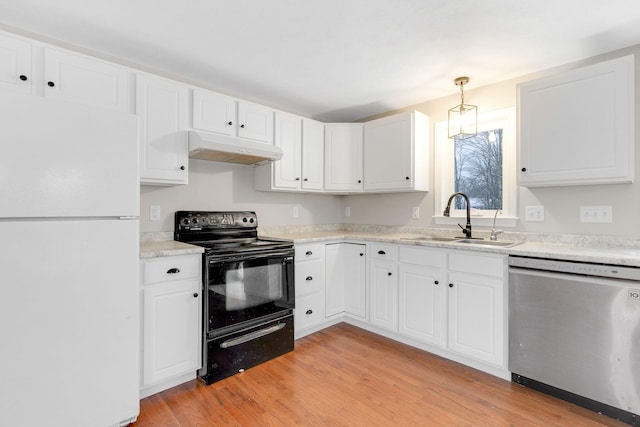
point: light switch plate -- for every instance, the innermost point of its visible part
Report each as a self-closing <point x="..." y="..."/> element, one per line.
<point x="154" y="213"/>
<point x="596" y="214"/>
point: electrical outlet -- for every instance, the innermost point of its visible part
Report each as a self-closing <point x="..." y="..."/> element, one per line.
<point x="534" y="213"/>
<point x="347" y="211"/>
<point x="296" y="212"/>
<point x="596" y="214"/>
<point x="415" y="212"/>
<point x="154" y="213"/>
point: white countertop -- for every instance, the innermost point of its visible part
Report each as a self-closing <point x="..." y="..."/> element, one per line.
<point x="570" y="252"/>
<point x="594" y="253"/>
<point x="167" y="248"/>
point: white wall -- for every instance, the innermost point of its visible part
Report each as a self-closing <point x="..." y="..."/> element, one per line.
<point x="561" y="203"/>
<point x="225" y="186"/>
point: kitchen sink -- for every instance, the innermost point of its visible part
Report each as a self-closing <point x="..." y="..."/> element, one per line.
<point x="431" y="239"/>
<point x="481" y="242"/>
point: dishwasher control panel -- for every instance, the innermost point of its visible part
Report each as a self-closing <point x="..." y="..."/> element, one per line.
<point x="576" y="267"/>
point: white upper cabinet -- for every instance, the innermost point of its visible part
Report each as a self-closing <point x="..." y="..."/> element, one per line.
<point x="312" y="155"/>
<point x="162" y="106"/>
<point x="396" y="153"/>
<point x="255" y="122"/>
<point x="15" y="64"/>
<point x="577" y="127"/>
<point x="85" y="80"/>
<point x="301" y="167"/>
<point x="36" y="68"/>
<point x="343" y="157"/>
<point x="214" y="112"/>
<point x="288" y="136"/>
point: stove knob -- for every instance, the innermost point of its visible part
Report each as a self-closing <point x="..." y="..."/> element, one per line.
<point x="185" y="221"/>
<point x="194" y="221"/>
<point x="251" y="220"/>
<point x="244" y="219"/>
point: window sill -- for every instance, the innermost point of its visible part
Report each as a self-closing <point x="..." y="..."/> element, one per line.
<point x="501" y="221"/>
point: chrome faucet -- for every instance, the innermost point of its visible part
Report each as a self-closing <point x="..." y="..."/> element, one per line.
<point x="494" y="232"/>
<point x="465" y="230"/>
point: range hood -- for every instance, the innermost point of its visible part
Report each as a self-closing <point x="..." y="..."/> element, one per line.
<point x="221" y="148"/>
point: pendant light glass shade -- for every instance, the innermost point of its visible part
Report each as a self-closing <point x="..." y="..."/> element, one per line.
<point x="463" y="118"/>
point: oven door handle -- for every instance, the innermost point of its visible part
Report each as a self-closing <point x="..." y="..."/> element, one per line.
<point x="249" y="257"/>
<point x="252" y="336"/>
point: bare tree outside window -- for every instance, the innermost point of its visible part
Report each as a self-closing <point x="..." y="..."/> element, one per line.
<point x="478" y="170"/>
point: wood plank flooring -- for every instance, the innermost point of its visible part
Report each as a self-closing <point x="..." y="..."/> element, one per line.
<point x="345" y="376"/>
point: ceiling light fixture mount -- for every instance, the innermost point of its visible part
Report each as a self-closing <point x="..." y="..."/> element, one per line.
<point x="463" y="118"/>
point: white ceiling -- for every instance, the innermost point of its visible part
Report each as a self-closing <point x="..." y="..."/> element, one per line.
<point x="336" y="60"/>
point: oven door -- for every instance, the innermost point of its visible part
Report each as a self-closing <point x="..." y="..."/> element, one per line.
<point x="246" y="288"/>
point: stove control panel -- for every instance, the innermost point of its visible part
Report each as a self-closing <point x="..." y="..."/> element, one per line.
<point x="201" y="220"/>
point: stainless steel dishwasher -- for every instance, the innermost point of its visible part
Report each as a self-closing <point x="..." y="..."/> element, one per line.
<point x="574" y="332"/>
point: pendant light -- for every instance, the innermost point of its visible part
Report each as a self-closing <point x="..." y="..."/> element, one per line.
<point x="463" y="118"/>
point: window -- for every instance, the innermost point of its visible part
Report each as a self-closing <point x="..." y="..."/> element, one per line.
<point x="482" y="167"/>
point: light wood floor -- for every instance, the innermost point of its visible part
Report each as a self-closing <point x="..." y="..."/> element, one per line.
<point x="345" y="376"/>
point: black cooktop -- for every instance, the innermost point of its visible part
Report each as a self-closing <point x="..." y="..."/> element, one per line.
<point x="221" y="232"/>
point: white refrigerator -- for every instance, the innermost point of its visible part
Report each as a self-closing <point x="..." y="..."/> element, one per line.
<point x="69" y="310"/>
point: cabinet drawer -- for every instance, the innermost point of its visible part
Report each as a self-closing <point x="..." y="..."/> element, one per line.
<point x="309" y="311"/>
<point x="386" y="252"/>
<point x="309" y="277"/>
<point x="420" y="256"/>
<point x="477" y="264"/>
<point x="171" y="268"/>
<point x="307" y="252"/>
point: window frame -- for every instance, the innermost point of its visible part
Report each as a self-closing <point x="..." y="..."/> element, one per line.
<point x="444" y="171"/>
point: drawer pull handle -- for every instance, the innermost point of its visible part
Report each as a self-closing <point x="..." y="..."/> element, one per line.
<point x="451" y="285"/>
<point x="309" y="278"/>
<point x="23" y="77"/>
<point x="382" y="253"/>
<point x="308" y="253"/>
<point x="195" y="295"/>
<point x="361" y="254"/>
<point x="252" y="336"/>
<point x="436" y="282"/>
<point x="308" y="312"/>
<point x="389" y="273"/>
<point x="173" y="271"/>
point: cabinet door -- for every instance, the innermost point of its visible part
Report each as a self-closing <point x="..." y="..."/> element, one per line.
<point x="343" y="157"/>
<point x="15" y="64"/>
<point x="83" y="80"/>
<point x="334" y="279"/>
<point x="288" y="136"/>
<point x="384" y="295"/>
<point x="255" y="122"/>
<point x="162" y="107"/>
<point x="388" y="153"/>
<point x="214" y="112"/>
<point x="422" y="308"/>
<point x="476" y="319"/>
<point x="171" y="337"/>
<point x="355" y="295"/>
<point x="312" y="155"/>
<point x="576" y="128"/>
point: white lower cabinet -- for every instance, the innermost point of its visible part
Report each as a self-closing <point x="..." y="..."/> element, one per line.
<point x="477" y="314"/>
<point x="310" y="284"/>
<point x="422" y="295"/>
<point x="171" y="321"/>
<point x="383" y="284"/>
<point x="346" y="280"/>
<point x="448" y="301"/>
